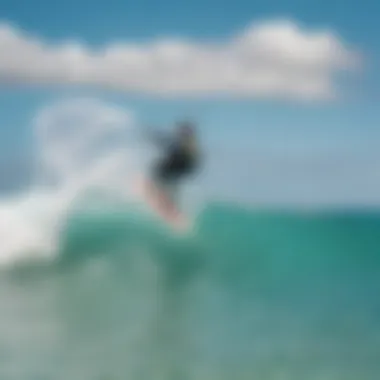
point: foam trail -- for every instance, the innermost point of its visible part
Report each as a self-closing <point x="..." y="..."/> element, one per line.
<point x="82" y="145"/>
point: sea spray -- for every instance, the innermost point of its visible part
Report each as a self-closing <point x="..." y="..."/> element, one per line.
<point x="82" y="146"/>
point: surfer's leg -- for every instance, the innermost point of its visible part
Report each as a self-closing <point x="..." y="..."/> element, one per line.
<point x="172" y="192"/>
<point x="165" y="194"/>
<point x="165" y="178"/>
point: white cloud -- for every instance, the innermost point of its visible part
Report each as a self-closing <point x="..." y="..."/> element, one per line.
<point x="272" y="59"/>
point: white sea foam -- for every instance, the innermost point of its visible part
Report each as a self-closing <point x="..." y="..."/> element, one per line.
<point x="81" y="144"/>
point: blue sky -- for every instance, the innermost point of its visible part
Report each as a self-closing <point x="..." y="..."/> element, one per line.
<point x="97" y="21"/>
<point x="262" y="128"/>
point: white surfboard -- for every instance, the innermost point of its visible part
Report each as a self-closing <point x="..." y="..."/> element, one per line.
<point x="162" y="206"/>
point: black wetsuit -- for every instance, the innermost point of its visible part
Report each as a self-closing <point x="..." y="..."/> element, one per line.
<point x="177" y="163"/>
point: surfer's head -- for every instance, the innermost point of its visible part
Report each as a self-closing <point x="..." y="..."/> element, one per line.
<point x="187" y="137"/>
<point x="186" y="129"/>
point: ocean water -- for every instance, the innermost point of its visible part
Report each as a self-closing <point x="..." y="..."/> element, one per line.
<point x="246" y="295"/>
<point x="93" y="286"/>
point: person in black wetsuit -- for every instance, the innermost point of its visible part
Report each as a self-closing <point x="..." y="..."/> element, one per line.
<point x="181" y="159"/>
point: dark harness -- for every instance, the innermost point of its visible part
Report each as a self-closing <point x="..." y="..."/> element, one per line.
<point x="176" y="165"/>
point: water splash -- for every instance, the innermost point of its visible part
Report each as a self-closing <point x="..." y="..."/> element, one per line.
<point x="82" y="145"/>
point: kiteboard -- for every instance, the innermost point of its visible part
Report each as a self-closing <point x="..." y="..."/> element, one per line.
<point x="161" y="205"/>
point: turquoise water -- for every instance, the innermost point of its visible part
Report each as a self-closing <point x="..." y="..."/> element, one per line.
<point x="246" y="295"/>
